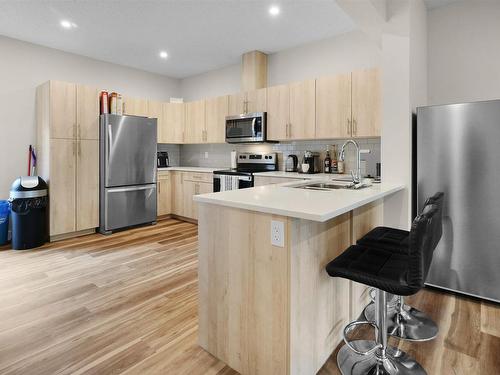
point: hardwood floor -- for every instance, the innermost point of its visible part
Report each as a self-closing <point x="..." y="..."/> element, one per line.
<point x="127" y="304"/>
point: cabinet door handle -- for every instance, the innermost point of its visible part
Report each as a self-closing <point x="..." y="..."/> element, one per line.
<point x="289" y="130"/>
<point x="354" y="127"/>
<point x="79" y="149"/>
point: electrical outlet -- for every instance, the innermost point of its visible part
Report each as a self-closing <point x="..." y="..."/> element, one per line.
<point x="277" y="233"/>
<point x="206" y="154"/>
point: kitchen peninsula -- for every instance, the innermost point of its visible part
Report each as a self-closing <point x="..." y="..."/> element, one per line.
<point x="272" y="309"/>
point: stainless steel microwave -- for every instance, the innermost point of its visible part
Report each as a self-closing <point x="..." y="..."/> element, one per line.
<point x="246" y="128"/>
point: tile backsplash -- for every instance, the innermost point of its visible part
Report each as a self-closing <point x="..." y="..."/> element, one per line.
<point x="173" y="153"/>
<point x="218" y="155"/>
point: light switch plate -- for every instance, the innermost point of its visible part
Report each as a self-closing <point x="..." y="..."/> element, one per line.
<point x="206" y="154"/>
<point x="277" y="233"/>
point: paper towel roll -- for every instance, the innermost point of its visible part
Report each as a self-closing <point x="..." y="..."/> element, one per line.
<point x="233" y="159"/>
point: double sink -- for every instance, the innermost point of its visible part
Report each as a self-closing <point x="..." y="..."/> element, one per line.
<point x="333" y="185"/>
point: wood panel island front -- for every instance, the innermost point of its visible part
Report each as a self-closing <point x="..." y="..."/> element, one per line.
<point x="266" y="309"/>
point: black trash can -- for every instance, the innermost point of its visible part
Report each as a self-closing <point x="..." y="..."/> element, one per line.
<point x="29" y="201"/>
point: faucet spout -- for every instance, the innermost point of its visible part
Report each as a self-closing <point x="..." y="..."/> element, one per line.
<point x="356" y="177"/>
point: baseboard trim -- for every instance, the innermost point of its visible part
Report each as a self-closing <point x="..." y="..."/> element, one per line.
<point x="65" y="236"/>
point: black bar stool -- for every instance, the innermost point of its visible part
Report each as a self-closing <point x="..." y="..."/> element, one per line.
<point x="403" y="321"/>
<point x="389" y="272"/>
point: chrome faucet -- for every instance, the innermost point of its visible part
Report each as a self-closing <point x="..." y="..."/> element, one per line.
<point x="356" y="178"/>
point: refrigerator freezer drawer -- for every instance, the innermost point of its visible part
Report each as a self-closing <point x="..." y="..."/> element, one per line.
<point x="127" y="206"/>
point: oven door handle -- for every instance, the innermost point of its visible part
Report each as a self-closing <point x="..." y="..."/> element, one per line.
<point x="240" y="178"/>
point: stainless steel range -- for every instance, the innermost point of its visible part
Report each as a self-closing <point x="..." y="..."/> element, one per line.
<point x="246" y="165"/>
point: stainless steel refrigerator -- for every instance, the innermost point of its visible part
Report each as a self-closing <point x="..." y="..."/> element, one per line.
<point x="458" y="152"/>
<point x="127" y="171"/>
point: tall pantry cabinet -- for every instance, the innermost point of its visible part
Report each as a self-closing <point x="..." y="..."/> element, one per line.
<point x="67" y="117"/>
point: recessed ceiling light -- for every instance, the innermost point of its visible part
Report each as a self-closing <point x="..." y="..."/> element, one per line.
<point x="163" y="54"/>
<point x="274" y="10"/>
<point x="68" y="24"/>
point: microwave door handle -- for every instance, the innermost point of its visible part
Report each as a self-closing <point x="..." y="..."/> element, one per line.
<point x="254" y="133"/>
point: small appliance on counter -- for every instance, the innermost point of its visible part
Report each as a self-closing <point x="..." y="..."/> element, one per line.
<point x="162" y="157"/>
<point x="311" y="159"/>
<point x="246" y="165"/>
<point x="291" y="164"/>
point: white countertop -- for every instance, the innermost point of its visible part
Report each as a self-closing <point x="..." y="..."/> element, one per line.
<point x="315" y="205"/>
<point x="305" y="176"/>
<point x="192" y="169"/>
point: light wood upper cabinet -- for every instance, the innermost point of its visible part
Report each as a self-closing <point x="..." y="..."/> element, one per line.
<point x="164" y="192"/>
<point x="135" y="107"/>
<point x="248" y="102"/>
<point x="87" y="112"/>
<point x="68" y="143"/>
<point x="366" y="103"/>
<point x="155" y="109"/>
<point x="62" y="110"/>
<point x="62" y="184"/>
<point x="216" y="110"/>
<point x="302" y="110"/>
<point x="333" y="106"/>
<point x="257" y="100"/>
<point x="237" y="103"/>
<point x="177" y="187"/>
<point x="195" y="122"/>
<point x="174" y="115"/>
<point x="278" y="112"/>
<point x="87" y="184"/>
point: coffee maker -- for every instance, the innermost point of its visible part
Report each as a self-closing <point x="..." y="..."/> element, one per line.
<point x="312" y="159"/>
<point x="162" y="159"/>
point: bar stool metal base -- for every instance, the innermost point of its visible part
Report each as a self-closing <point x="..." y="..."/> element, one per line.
<point x="407" y="324"/>
<point x="396" y="362"/>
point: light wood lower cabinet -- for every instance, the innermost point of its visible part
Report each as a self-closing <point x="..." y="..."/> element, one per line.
<point x="87" y="184"/>
<point x="185" y="185"/>
<point x="192" y="188"/>
<point x="68" y="155"/>
<point x="164" y="191"/>
<point x="177" y="187"/>
<point x="62" y="186"/>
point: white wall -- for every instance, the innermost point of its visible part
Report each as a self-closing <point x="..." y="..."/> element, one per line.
<point x="341" y="54"/>
<point x="23" y="66"/>
<point x="464" y="53"/>
<point x="404" y="49"/>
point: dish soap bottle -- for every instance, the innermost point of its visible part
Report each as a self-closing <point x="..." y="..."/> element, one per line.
<point x="327" y="164"/>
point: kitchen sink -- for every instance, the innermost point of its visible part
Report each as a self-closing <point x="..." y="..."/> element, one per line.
<point x="331" y="186"/>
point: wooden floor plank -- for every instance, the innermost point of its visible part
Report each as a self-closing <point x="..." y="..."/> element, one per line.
<point x="127" y="304"/>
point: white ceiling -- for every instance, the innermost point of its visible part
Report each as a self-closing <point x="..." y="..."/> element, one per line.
<point x="199" y="35"/>
<point x="432" y="4"/>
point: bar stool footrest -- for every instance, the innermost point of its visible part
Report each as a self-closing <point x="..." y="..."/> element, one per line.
<point x="396" y="362"/>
